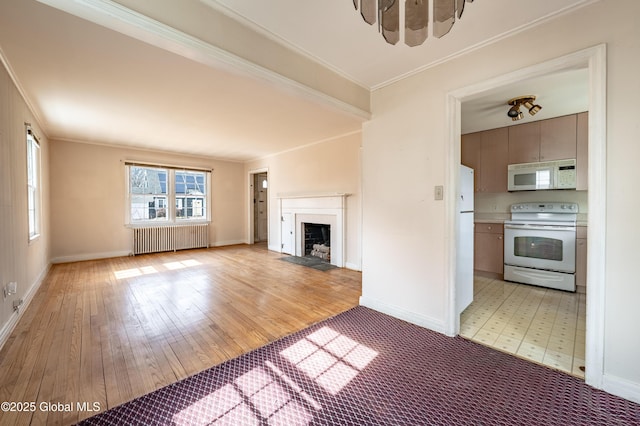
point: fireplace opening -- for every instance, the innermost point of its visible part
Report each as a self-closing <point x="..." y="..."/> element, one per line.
<point x="317" y="241"/>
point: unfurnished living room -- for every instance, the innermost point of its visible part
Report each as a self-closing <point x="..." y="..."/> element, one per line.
<point x="362" y="212"/>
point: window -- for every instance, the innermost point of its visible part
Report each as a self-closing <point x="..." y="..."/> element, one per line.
<point x="33" y="184"/>
<point x="166" y="194"/>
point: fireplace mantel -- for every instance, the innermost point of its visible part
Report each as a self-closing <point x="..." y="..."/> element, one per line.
<point x="325" y="209"/>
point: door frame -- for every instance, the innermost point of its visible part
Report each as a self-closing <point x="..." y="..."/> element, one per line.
<point x="251" y="208"/>
<point x="594" y="59"/>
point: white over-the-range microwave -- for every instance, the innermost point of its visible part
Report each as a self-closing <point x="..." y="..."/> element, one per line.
<point x="559" y="174"/>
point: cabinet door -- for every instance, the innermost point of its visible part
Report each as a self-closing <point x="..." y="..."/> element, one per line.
<point x="494" y="159"/>
<point x="582" y="152"/>
<point x="558" y="138"/>
<point x="488" y="253"/>
<point x="471" y="145"/>
<point x="524" y="143"/>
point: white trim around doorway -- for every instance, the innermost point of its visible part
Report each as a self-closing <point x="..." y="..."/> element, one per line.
<point x="250" y="208"/>
<point x="594" y="59"/>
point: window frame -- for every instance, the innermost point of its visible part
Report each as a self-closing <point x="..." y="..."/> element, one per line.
<point x="171" y="218"/>
<point x="34" y="184"/>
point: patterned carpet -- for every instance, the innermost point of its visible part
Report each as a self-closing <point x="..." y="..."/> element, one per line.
<point x="365" y="368"/>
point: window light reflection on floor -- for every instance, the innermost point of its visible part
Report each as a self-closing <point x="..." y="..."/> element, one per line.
<point x="146" y="270"/>
<point x="267" y="394"/>
<point x="330" y="358"/>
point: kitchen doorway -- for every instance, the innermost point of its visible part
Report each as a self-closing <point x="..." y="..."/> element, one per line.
<point x="259" y="207"/>
<point x="594" y="60"/>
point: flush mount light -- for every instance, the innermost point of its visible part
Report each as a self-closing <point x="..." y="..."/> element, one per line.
<point x="526" y="101"/>
<point x="416" y="17"/>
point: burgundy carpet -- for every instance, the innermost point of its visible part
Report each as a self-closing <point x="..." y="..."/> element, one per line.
<point x="365" y="368"/>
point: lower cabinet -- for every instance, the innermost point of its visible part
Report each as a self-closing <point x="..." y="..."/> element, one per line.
<point x="488" y="253"/>
<point x="581" y="259"/>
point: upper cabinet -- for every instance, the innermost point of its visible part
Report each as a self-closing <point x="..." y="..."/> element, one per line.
<point x="490" y="152"/>
<point x="487" y="153"/>
<point x="546" y="140"/>
<point x="558" y="138"/>
<point x="524" y="143"/>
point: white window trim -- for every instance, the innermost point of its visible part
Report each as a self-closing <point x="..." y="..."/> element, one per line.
<point x="171" y="219"/>
<point x="33" y="143"/>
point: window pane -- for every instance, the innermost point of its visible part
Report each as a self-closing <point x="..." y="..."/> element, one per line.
<point x="191" y="195"/>
<point x="148" y="187"/>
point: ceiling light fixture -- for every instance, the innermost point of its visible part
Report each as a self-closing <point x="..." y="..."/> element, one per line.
<point x="416" y="17"/>
<point x="526" y="101"/>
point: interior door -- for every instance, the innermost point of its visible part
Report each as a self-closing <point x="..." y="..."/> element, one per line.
<point x="262" y="233"/>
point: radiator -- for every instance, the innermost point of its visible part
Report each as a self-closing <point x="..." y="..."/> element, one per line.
<point x="156" y="239"/>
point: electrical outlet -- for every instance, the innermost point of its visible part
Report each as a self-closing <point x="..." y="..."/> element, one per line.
<point x="12" y="288"/>
<point x="438" y="192"/>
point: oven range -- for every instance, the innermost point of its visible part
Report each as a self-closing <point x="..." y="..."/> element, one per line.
<point x="540" y="244"/>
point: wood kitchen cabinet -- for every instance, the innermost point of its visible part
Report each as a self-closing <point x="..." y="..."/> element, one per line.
<point x="488" y="254"/>
<point x="582" y="154"/>
<point x="487" y="153"/>
<point x="581" y="259"/>
<point x="524" y="143"/>
<point x="545" y="140"/>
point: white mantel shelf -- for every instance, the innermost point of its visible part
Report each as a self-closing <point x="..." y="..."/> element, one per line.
<point x="328" y="194"/>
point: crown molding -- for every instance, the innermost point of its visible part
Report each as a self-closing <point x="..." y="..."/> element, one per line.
<point x="116" y="17"/>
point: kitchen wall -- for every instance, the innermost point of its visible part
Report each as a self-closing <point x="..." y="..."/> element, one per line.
<point x="331" y="166"/>
<point x="406" y="153"/>
<point x="22" y="261"/>
<point x="88" y="197"/>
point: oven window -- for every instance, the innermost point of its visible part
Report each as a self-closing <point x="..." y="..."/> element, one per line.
<point x="538" y="247"/>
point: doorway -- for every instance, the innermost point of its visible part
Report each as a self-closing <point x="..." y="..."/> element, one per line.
<point x="593" y="59"/>
<point x="258" y="226"/>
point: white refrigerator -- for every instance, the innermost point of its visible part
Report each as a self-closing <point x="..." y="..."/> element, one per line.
<point x="464" y="243"/>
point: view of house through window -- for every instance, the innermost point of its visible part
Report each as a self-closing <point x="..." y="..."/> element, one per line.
<point x="158" y="194"/>
<point x="33" y="184"/>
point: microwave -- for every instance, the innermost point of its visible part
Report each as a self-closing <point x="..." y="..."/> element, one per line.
<point x="559" y="174"/>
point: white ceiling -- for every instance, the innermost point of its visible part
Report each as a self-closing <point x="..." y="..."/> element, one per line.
<point x="90" y="83"/>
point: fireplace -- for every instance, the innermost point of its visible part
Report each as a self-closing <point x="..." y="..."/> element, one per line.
<point x="321" y="212"/>
<point x="317" y="240"/>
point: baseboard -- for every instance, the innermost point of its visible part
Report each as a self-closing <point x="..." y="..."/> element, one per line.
<point x="89" y="256"/>
<point x="10" y="325"/>
<point x="275" y="248"/>
<point x="227" y="243"/>
<point x="621" y="387"/>
<point x="403" y="314"/>
<point x="353" y="266"/>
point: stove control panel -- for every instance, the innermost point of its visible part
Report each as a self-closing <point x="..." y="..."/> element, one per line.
<point x="545" y="207"/>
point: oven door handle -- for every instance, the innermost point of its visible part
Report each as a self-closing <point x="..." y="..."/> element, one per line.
<point x="541" y="227"/>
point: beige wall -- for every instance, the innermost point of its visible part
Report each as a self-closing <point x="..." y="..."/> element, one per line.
<point x="21" y="261"/>
<point x="404" y="264"/>
<point x="88" y="195"/>
<point x="328" y="167"/>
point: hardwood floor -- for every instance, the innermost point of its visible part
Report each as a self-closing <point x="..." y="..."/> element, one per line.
<point x="111" y="330"/>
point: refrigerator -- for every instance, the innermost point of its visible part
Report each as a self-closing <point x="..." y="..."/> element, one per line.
<point x="464" y="243"/>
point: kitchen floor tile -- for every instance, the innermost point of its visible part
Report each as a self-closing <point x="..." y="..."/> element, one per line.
<point x="542" y="325"/>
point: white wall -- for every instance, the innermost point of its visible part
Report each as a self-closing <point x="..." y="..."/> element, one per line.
<point x="332" y="166"/>
<point x="88" y="196"/>
<point x="404" y="263"/>
<point x="21" y="261"/>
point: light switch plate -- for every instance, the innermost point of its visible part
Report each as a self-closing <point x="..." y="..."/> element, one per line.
<point x="438" y="192"/>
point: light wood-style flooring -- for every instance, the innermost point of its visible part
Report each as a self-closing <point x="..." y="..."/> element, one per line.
<point x="111" y="330"/>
